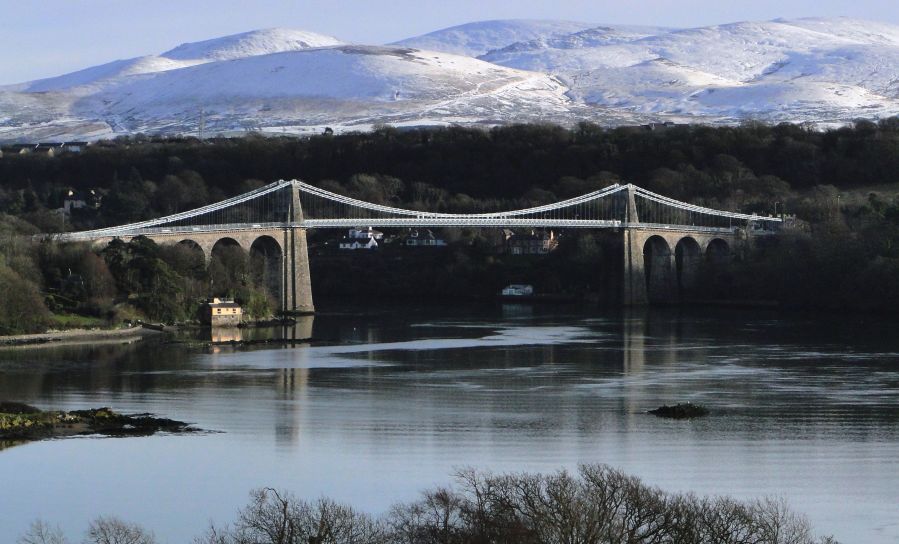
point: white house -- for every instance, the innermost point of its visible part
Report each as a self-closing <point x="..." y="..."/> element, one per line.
<point x="358" y="243"/>
<point x="518" y="290"/>
<point x="364" y="233"/>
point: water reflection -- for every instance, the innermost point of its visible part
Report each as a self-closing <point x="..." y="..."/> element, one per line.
<point x="220" y="335"/>
<point x="394" y="398"/>
<point x="301" y="330"/>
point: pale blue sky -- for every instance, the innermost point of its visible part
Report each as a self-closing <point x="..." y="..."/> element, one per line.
<point x="46" y="38"/>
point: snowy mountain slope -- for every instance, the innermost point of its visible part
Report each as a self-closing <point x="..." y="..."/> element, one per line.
<point x="344" y="85"/>
<point x="97" y="76"/>
<point x="251" y="44"/>
<point x="473" y="39"/>
<point x="286" y="81"/>
<point x="854" y="29"/>
<point x="828" y="68"/>
<point x="247" y="44"/>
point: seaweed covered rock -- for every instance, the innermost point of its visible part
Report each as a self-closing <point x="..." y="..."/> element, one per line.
<point x="22" y="422"/>
<point x="686" y="410"/>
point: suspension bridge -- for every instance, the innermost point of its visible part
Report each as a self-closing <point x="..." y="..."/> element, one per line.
<point x="663" y="238"/>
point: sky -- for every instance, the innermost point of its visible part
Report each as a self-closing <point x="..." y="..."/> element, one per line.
<point x="43" y="39"/>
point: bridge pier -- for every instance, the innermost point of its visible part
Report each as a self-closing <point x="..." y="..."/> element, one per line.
<point x="635" y="293"/>
<point x="297" y="279"/>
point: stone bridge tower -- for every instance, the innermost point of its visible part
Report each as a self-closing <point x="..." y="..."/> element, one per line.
<point x="297" y="278"/>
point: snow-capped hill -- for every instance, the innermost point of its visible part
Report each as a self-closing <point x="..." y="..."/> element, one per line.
<point x="286" y="81"/>
<point x="348" y="85"/>
<point x="105" y="74"/>
<point x="348" y="72"/>
<point x="591" y="37"/>
<point x="250" y="44"/>
<point x="842" y="67"/>
<point x="247" y="44"/>
<point x="474" y="39"/>
<point x="858" y="30"/>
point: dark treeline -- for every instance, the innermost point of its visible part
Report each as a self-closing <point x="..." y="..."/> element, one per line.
<point x="598" y="505"/>
<point x="840" y="183"/>
<point x="501" y="163"/>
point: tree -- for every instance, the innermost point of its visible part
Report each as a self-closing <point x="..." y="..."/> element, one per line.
<point x="23" y="308"/>
<point x="112" y="530"/>
<point x="42" y="532"/>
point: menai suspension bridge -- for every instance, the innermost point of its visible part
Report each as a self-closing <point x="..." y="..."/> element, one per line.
<point x="274" y="218"/>
<point x="275" y="206"/>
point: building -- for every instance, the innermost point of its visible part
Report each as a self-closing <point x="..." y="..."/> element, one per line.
<point x="361" y="238"/>
<point x="418" y="238"/>
<point x="50" y="149"/>
<point x="79" y="200"/>
<point x="535" y="243"/>
<point x="219" y="312"/>
<point x="364" y="233"/>
<point x="358" y="243"/>
<point x="518" y="290"/>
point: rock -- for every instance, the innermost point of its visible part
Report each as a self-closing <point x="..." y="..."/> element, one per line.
<point x="38" y="425"/>
<point x="686" y="410"/>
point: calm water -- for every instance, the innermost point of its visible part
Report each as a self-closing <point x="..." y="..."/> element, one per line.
<point x="803" y="407"/>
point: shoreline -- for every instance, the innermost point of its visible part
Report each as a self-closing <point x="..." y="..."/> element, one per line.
<point x="75" y="336"/>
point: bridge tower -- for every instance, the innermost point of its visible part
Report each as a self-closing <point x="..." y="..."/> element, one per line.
<point x="297" y="280"/>
<point x="635" y="293"/>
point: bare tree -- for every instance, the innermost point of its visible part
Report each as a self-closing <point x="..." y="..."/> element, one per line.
<point x="112" y="530"/>
<point x="42" y="532"/>
<point x="275" y="517"/>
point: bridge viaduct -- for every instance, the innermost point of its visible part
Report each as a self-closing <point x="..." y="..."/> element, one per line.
<point x="661" y="261"/>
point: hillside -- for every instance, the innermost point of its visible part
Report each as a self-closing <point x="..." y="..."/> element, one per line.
<point x="823" y="71"/>
<point x="804" y="70"/>
<point x="478" y="38"/>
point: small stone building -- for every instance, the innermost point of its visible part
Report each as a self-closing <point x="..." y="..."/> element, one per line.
<point x="219" y="312"/>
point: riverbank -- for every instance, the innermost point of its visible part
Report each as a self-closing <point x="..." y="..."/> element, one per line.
<point x="75" y="336"/>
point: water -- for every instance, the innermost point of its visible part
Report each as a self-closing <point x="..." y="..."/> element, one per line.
<point x="398" y="398"/>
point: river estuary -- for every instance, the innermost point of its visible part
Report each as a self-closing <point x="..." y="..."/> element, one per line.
<point x="390" y="401"/>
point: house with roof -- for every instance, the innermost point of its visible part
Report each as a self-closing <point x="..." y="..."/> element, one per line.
<point x="361" y="238"/>
<point x="50" y="149"/>
<point x="423" y="238"/>
<point x="364" y="233"/>
<point x="358" y="243"/>
<point x="220" y="312"/>
<point x="533" y="243"/>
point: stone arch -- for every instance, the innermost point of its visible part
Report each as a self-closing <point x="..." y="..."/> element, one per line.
<point x="192" y="257"/>
<point x="267" y="266"/>
<point x="228" y="266"/>
<point x="687" y="263"/>
<point x="658" y="268"/>
<point x="224" y="242"/>
<point x="718" y="261"/>
<point x="193" y="246"/>
<point x="718" y="251"/>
